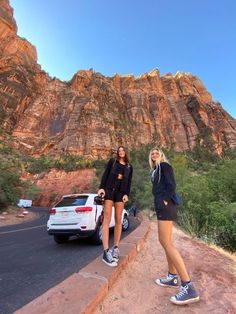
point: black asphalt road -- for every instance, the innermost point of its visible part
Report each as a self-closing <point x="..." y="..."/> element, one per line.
<point x="31" y="262"/>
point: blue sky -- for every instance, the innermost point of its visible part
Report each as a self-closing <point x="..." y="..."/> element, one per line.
<point x="133" y="37"/>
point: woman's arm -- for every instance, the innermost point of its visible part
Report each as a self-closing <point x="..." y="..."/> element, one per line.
<point x="126" y="196"/>
<point x="129" y="180"/>
<point x="106" y="174"/>
<point x="167" y="172"/>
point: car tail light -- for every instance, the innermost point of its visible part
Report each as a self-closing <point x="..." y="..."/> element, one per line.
<point x="52" y="211"/>
<point x="84" y="209"/>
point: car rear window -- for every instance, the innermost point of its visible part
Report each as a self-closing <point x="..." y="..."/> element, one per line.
<point x="73" y="201"/>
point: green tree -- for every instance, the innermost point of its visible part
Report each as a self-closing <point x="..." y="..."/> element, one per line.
<point x="10" y="186"/>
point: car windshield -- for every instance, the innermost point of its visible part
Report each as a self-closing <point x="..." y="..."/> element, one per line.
<point x="73" y="201"/>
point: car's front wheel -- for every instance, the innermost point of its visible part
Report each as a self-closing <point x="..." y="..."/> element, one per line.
<point x="61" y="238"/>
<point x="125" y="223"/>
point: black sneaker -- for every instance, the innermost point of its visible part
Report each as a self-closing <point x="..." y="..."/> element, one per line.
<point x="108" y="259"/>
<point x="187" y="294"/>
<point x="115" y="254"/>
<point x="168" y="281"/>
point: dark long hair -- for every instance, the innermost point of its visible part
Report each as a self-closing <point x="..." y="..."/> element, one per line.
<point x="126" y="159"/>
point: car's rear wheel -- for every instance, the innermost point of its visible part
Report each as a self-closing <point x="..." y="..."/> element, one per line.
<point x="61" y="238"/>
<point x="125" y="223"/>
<point x="97" y="236"/>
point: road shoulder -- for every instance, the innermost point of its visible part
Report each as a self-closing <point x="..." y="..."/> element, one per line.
<point x="16" y="215"/>
<point x="82" y="292"/>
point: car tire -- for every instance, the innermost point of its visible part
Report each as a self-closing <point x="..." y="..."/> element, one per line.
<point x="125" y="223"/>
<point x="60" y="239"/>
<point x="97" y="236"/>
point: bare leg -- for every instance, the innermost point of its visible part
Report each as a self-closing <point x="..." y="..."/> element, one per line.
<point x="106" y="223"/>
<point x="174" y="259"/>
<point x="171" y="266"/>
<point x="119" y="206"/>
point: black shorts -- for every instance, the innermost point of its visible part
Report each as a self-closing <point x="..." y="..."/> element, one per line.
<point x="166" y="212"/>
<point x="113" y="195"/>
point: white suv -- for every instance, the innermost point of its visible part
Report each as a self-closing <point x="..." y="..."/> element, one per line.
<point x="79" y="215"/>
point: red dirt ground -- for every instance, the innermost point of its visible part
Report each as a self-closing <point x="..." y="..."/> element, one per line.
<point x="213" y="272"/>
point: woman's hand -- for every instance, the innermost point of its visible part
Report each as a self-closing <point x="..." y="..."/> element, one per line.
<point x="125" y="198"/>
<point x="165" y="202"/>
<point x="101" y="192"/>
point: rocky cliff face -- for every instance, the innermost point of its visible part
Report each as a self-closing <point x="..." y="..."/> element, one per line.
<point x="92" y="113"/>
<point x="54" y="184"/>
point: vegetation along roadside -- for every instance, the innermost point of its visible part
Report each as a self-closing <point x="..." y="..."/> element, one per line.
<point x="205" y="180"/>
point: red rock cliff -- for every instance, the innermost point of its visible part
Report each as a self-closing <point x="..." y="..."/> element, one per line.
<point x="92" y="113"/>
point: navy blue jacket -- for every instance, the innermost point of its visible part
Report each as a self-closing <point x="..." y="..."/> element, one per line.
<point x="163" y="188"/>
<point x="109" y="177"/>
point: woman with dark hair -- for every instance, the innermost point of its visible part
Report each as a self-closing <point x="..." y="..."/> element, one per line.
<point x="115" y="187"/>
<point x="166" y="210"/>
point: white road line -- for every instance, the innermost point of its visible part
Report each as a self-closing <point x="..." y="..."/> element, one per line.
<point x="18" y="230"/>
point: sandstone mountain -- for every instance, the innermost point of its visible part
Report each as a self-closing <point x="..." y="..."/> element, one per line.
<point x="91" y="113"/>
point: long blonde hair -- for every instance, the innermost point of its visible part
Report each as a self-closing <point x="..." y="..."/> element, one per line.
<point x="162" y="158"/>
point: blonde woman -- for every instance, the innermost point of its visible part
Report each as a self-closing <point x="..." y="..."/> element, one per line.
<point x="163" y="189"/>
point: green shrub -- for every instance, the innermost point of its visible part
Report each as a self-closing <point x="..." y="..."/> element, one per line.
<point x="10" y="186"/>
<point x="29" y="190"/>
<point x="65" y="162"/>
<point x="222" y="180"/>
<point x="222" y="225"/>
<point x="38" y="165"/>
<point x="71" y="163"/>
